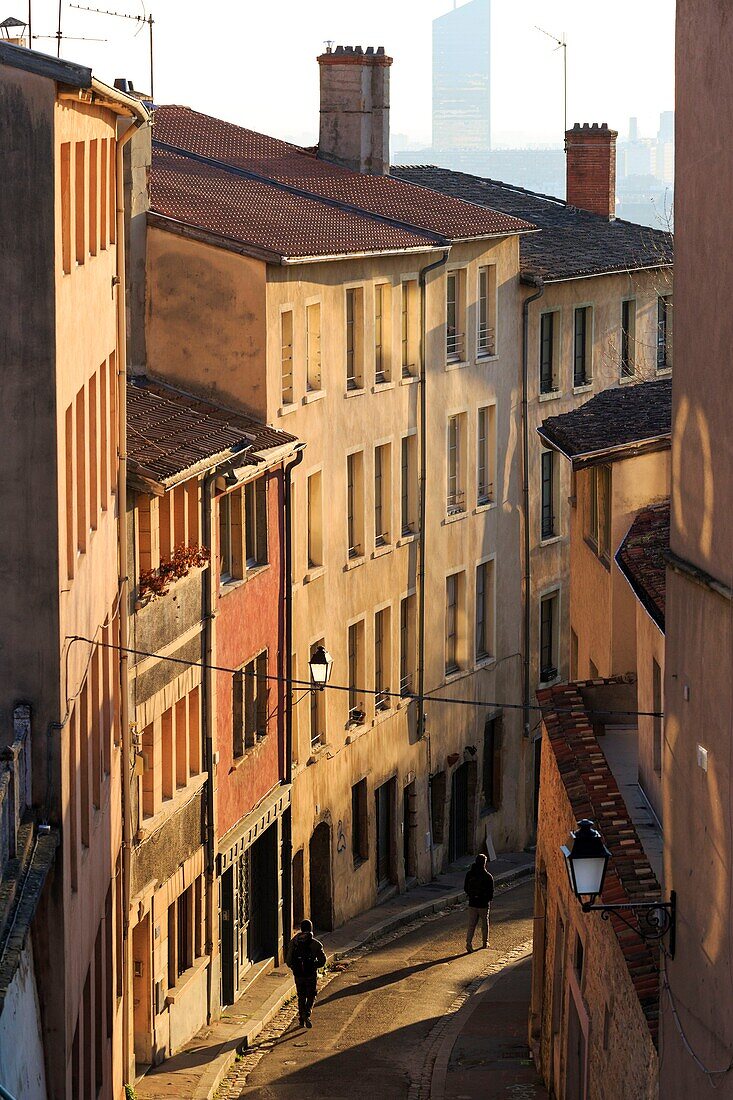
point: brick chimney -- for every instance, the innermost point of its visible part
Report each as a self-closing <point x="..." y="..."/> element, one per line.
<point x="354" y="129"/>
<point x="591" y="168"/>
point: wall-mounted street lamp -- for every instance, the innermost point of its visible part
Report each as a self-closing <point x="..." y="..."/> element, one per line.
<point x="587" y="863"/>
<point x="320" y="664"/>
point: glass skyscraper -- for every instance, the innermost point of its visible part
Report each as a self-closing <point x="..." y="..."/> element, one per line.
<point x="461" y="78"/>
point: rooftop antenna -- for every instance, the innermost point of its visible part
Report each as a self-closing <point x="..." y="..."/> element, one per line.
<point x="140" y="19"/>
<point x="58" y="35"/>
<point x="561" y="45"/>
<point x="329" y="45"/>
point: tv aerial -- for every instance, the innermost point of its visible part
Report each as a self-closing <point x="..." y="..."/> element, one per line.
<point x="561" y="44"/>
<point x="141" y="20"/>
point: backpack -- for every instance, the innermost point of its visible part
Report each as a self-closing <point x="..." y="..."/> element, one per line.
<point x="305" y="963"/>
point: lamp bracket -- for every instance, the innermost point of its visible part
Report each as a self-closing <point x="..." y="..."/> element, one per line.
<point x="656" y="918"/>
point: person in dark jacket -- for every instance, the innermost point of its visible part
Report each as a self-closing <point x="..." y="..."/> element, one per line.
<point x="479" y="886"/>
<point x="305" y="956"/>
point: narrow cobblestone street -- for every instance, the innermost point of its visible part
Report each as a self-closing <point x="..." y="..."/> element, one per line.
<point x="403" y="1019"/>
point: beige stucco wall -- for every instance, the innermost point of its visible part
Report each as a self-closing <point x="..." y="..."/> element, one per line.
<point x="325" y="603"/>
<point x="699" y="657"/>
<point x="550" y="558"/>
<point x="602" y="605"/>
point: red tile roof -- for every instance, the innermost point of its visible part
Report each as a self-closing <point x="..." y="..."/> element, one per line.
<point x="593" y="793"/>
<point x="642" y="558"/>
<point x="315" y="208"/>
<point x="172" y="435"/>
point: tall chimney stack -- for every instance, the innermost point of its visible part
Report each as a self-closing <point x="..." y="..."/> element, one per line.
<point x="591" y="168"/>
<point x="354" y="127"/>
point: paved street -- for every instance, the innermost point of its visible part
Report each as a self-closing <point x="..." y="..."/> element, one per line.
<point x="388" y="1022"/>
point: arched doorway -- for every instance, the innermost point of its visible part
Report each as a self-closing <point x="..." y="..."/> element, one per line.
<point x="320" y="878"/>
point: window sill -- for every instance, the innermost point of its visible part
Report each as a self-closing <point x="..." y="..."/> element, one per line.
<point x="381" y="715"/>
<point x="487" y="661"/>
<point x="551" y="540"/>
<point x="409" y="379"/>
<point x="627" y="379"/>
<point x="664" y="372"/>
<point x="550" y="683"/>
<point x="486" y="356"/>
<point x="185" y="980"/>
<point x="455" y="364"/>
<point x="247" y="755"/>
<point x="313" y="395"/>
<point x="358" y="391"/>
<point x="380" y="551"/>
<point x="453" y="518"/>
<point x="354" y="731"/>
<point x="225" y="587"/>
<point x="314" y="573"/>
<point x="317" y="750"/>
<point x="585" y="388"/>
<point x="484" y="507"/>
<point x="604" y="559"/>
<point x="551" y="395"/>
<point x="285" y="410"/>
<point x="456" y="674"/>
<point x="354" y="563"/>
<point x="380" y="387"/>
<point x="405" y="540"/>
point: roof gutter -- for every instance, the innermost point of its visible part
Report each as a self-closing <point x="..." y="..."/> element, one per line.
<point x="527" y="605"/>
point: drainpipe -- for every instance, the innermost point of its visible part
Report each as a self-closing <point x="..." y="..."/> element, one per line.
<point x="424" y="272"/>
<point x="536" y="281"/>
<point x="207" y="735"/>
<point x="124" y="580"/>
<point x="288" y="585"/>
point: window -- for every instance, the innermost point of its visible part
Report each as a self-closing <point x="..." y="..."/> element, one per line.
<point x="354" y="338"/>
<point x="407" y="644"/>
<point x="382" y="659"/>
<point x="437" y="806"/>
<point x="230" y="526"/>
<point x="359" y="822"/>
<point x="491" y="766"/>
<point x="578" y="958"/>
<point x="93" y="196"/>
<point x="184" y="929"/>
<point x="79" y="202"/>
<point x="582" y="346"/>
<point x="657" y="707"/>
<point x="313" y="345"/>
<point x="455" y="337"/>
<point x="455" y="501"/>
<point x="548" y="642"/>
<point x="628" y="338"/>
<point x="453" y="599"/>
<point x="250" y="694"/>
<point x="485" y="610"/>
<point x="664" y="332"/>
<point x="486" y="458"/>
<point x="486" y="337"/>
<point x="355" y="504"/>
<point x="317" y="708"/>
<point x="286" y="357"/>
<point x="255" y="523"/>
<point x="382" y="494"/>
<point x="547" y="353"/>
<point x="355" y="651"/>
<point x="382" y="333"/>
<point x="408" y="485"/>
<point x="408" y="317"/>
<point x="599" y="512"/>
<point x="549" y="529"/>
<point x="65" y="169"/>
<point x="315" y="533"/>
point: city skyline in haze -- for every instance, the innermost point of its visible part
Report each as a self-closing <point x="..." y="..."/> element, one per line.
<point x="268" y="56"/>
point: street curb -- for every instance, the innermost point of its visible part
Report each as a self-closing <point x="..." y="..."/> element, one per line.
<point x="442" y="1058"/>
<point x="221" y="1063"/>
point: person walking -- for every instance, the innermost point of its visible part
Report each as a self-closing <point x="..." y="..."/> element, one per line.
<point x="305" y="956"/>
<point x="479" y="885"/>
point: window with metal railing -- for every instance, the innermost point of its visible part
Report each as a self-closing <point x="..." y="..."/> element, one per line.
<point x="486" y="335"/>
<point x="486" y="454"/>
<point x="547" y="353"/>
<point x="355" y="651"/>
<point x="455" y="496"/>
<point x="382" y="333"/>
<point x="382" y="494"/>
<point x="582" y="344"/>
<point x="382" y="659"/>
<point x="313" y="345"/>
<point x="548" y="494"/>
<point x="664" y="332"/>
<point x="407" y="644"/>
<point x="455" y="338"/>
<point x="286" y="357"/>
<point x="548" y="641"/>
<point x="355" y="504"/>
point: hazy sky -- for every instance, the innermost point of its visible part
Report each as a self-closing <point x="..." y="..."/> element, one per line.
<point x="253" y="61"/>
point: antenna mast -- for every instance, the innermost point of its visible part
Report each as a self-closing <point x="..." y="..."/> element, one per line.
<point x="561" y="45"/>
<point x="124" y="15"/>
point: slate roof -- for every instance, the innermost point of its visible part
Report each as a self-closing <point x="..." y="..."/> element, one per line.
<point x="173" y="436"/>
<point x="642" y="558"/>
<point x="279" y="197"/>
<point x="572" y="244"/>
<point x="593" y="793"/>
<point x="613" y="419"/>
